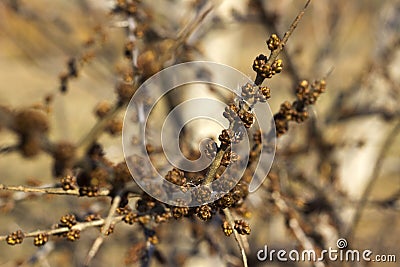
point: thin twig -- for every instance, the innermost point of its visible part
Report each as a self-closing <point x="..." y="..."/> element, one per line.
<point x="238" y="237"/>
<point x="79" y="226"/>
<point x="289" y="32"/>
<point x="294" y="225"/>
<point x="100" y="239"/>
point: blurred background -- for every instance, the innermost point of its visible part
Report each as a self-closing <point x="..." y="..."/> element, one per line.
<point x="348" y="150"/>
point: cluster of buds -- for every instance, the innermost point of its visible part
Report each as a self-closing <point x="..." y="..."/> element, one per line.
<point x="308" y="95"/>
<point x="73" y="234"/>
<point x="273" y="42"/>
<point x="227" y="228"/>
<point x="179" y="212"/>
<point x="15" y="238"/>
<point x="225" y="137"/>
<point x="89" y="191"/>
<point x="131" y="218"/>
<point x="242" y="227"/>
<point x="297" y="111"/>
<point x="41" y="239"/>
<point x="204" y="212"/>
<point x="263" y="94"/>
<point x="68" y="220"/>
<point x="264" y="69"/>
<point x="176" y="176"/>
<point x="68" y="182"/>
<point x="228" y="158"/>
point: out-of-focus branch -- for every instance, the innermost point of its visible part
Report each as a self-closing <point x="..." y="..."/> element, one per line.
<point x="391" y="137"/>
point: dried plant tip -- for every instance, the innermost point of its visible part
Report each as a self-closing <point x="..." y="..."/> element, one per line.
<point x="227" y="228"/>
<point x="15" y="238"/>
<point x="41" y="239"/>
<point x="242" y="227"/>
<point x="273" y="42"/>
